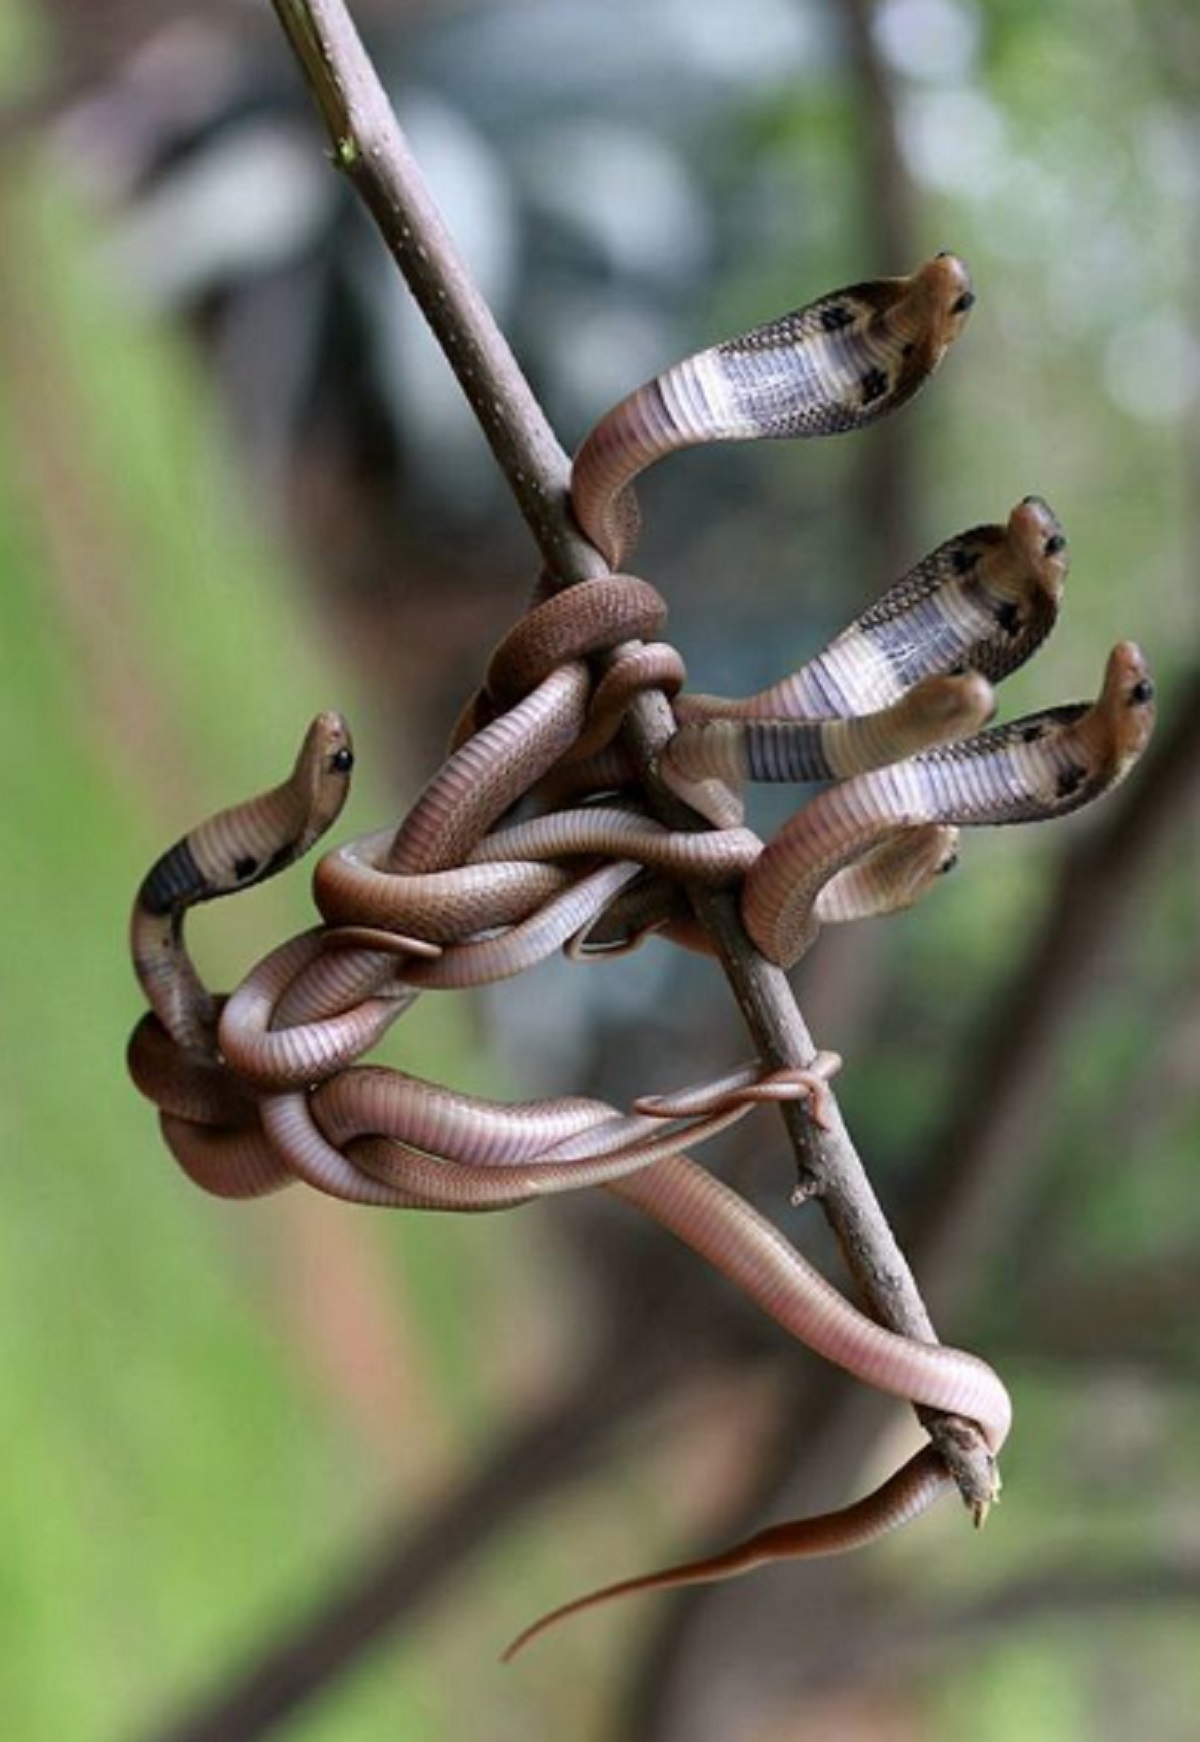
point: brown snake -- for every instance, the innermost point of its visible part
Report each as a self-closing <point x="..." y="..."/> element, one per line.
<point x="837" y="364"/>
<point x="264" y="1087"/>
<point x="1045" y="765"/>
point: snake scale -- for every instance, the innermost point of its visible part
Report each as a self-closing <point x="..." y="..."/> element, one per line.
<point x="264" y="1087"/>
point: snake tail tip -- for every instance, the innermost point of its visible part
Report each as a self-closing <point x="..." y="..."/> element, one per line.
<point x="525" y="1637"/>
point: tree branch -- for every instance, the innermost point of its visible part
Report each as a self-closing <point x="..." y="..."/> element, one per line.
<point x="369" y="146"/>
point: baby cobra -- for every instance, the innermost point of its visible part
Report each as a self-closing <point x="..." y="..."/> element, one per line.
<point x="230" y="851"/>
<point x="1042" y="766"/>
<point x="937" y="710"/>
<point x="985" y="599"/>
<point x="837" y="364"/>
<point x="881" y="690"/>
<point x="204" y="1110"/>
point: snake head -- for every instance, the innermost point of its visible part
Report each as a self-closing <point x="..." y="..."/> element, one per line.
<point x="1020" y="568"/>
<point x="906" y="867"/>
<point x="1125" y="705"/>
<point x="890" y="877"/>
<point x="322" y="774"/>
<point x="930" y="310"/>
<point x="1038" y="542"/>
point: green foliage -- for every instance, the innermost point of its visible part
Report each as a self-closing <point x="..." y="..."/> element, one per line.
<point x="173" y="1478"/>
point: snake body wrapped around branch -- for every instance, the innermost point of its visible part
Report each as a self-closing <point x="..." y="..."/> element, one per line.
<point x="265" y="1087"/>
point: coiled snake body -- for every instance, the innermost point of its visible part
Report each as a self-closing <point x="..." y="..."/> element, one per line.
<point x="263" y="1088"/>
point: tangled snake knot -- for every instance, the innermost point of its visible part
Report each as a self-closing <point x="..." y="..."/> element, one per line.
<point x="536" y="835"/>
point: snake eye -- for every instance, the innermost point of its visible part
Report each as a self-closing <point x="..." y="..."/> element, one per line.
<point x="342" y="761"/>
<point x="1141" y="693"/>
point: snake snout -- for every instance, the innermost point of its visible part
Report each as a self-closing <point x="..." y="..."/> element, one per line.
<point x="1127" y="671"/>
<point x="947" y="278"/>
<point x="1126" y="704"/>
<point x="1037" y="532"/>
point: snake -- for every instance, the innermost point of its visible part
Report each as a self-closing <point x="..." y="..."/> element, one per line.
<point x="265" y="1086"/>
<point x="232" y="850"/>
<point x="232" y="1081"/>
<point x="983" y="601"/>
<point x="705" y="760"/>
<point x="1044" y="765"/>
<point x="1047" y="763"/>
<point x="837" y="364"/>
<point x="890" y="877"/>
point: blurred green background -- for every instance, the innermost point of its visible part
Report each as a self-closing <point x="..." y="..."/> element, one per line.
<point x="234" y="489"/>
